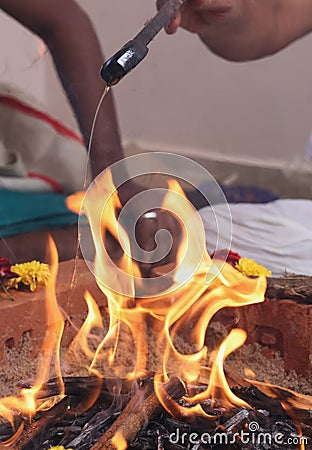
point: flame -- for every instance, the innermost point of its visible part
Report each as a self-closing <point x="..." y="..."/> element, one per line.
<point x="74" y="201"/>
<point x="175" y="321"/>
<point x="119" y="441"/>
<point x="100" y="209"/>
<point x="207" y="287"/>
<point x="79" y="347"/>
<point x="28" y="403"/>
<point x="249" y="373"/>
<point x="218" y="387"/>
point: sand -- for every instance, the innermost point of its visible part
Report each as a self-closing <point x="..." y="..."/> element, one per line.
<point x="268" y="367"/>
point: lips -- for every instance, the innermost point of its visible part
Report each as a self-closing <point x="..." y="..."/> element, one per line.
<point x="213" y="10"/>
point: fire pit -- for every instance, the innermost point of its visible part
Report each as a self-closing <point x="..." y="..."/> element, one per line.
<point x="144" y="372"/>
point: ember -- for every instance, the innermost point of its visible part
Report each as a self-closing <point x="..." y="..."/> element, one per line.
<point x="186" y="399"/>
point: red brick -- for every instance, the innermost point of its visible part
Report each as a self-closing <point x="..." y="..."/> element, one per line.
<point x="284" y="326"/>
<point x="27" y="312"/>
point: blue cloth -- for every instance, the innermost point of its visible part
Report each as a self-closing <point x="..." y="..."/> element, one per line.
<point x="248" y="194"/>
<point x="235" y="194"/>
<point x="23" y="212"/>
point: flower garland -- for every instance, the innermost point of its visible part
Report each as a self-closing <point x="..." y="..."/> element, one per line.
<point x="28" y="275"/>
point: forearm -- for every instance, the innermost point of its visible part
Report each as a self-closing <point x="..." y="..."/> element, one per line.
<point x="79" y="73"/>
<point x="77" y="56"/>
<point x="32" y="245"/>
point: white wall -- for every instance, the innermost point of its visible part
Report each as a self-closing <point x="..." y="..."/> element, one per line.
<point x="185" y="99"/>
<point x="20" y="63"/>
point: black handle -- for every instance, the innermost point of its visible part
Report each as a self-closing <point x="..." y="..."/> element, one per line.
<point x="126" y="59"/>
<point x="132" y="53"/>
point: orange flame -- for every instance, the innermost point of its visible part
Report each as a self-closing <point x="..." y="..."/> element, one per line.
<point x="100" y="208"/>
<point x="80" y="345"/>
<point x="28" y="402"/>
<point x="207" y="287"/>
<point x="74" y="201"/>
<point x="119" y="441"/>
<point x="200" y="288"/>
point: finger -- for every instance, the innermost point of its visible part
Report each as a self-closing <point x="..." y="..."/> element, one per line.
<point x="145" y="231"/>
<point x="168" y="222"/>
<point x="157" y="238"/>
<point x="160" y="237"/>
<point x="176" y="231"/>
<point x="174" y="23"/>
<point x="160" y="3"/>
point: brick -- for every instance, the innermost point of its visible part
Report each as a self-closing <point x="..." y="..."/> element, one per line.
<point x="26" y="314"/>
<point x="284" y="326"/>
<point x="280" y="324"/>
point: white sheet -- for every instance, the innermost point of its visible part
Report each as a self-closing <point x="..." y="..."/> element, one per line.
<point x="276" y="234"/>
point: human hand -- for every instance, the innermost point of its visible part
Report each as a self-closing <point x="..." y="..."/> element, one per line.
<point x="154" y="234"/>
<point x="196" y="15"/>
<point x="158" y="235"/>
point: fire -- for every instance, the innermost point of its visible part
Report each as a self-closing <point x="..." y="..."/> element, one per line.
<point x="119" y="441"/>
<point x="173" y="321"/>
<point x="28" y="402"/>
<point x="201" y="288"/>
<point x="80" y="345"/>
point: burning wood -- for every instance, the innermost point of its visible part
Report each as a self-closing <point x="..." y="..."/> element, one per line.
<point x="144" y="422"/>
<point x="138" y="412"/>
<point x="37" y="429"/>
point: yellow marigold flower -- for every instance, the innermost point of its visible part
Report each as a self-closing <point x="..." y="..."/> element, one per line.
<point x="31" y="274"/>
<point x="250" y="268"/>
